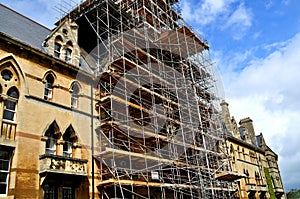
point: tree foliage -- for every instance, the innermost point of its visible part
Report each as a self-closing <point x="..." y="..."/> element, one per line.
<point x="293" y="194"/>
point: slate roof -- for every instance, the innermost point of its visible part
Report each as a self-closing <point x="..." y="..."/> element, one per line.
<point x="22" y="28"/>
<point x="27" y="31"/>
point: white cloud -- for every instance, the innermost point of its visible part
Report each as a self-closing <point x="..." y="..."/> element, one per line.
<point x="239" y="21"/>
<point x="241" y="16"/>
<point x="220" y="14"/>
<point x="267" y="91"/>
<point x="205" y="11"/>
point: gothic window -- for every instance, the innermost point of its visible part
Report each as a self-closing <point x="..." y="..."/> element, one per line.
<point x="57" y="46"/>
<point x="48" y="87"/>
<point x="5" y="158"/>
<point x="69" y="138"/>
<point x="68" y="51"/>
<point x="68" y="55"/>
<point x="52" y="135"/>
<point x="74" y="96"/>
<point x="10" y="104"/>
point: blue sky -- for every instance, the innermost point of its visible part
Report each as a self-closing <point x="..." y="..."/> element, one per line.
<point x="256" y="47"/>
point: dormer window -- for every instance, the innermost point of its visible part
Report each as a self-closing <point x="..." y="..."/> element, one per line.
<point x="48" y="87"/>
<point x="68" y="55"/>
<point x="57" y="46"/>
<point x="68" y="52"/>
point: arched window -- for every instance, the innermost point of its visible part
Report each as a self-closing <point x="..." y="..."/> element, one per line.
<point x="48" y="87"/>
<point x="68" y="55"/>
<point x="74" y="96"/>
<point x="68" y="51"/>
<point x="52" y="135"/>
<point x="57" y="46"/>
<point x="69" y="139"/>
<point x="10" y="104"/>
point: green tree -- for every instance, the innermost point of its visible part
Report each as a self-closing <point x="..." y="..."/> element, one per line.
<point x="293" y="194"/>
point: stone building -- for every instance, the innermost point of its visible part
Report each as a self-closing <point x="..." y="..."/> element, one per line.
<point x="45" y="103"/>
<point x="68" y="132"/>
<point x="251" y="156"/>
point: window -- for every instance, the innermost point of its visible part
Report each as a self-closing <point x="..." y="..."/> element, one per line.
<point x="52" y="135"/>
<point x="57" y="48"/>
<point x="69" y="138"/>
<point x="67" y="149"/>
<point x="48" y="87"/>
<point x="51" y="146"/>
<point x="68" y="51"/>
<point x="68" y="55"/>
<point x="74" y="96"/>
<point x="50" y="192"/>
<point x="68" y="193"/>
<point x="10" y="104"/>
<point x="5" y="156"/>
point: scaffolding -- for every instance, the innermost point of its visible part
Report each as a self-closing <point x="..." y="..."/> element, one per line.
<point x="160" y="131"/>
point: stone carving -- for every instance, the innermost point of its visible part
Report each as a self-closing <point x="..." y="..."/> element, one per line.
<point x="57" y="164"/>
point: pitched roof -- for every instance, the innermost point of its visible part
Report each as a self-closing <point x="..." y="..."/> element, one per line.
<point x="22" y="28"/>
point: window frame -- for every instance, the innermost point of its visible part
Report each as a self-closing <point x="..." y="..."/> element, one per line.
<point x="48" y="88"/>
<point x="7" y="171"/>
<point x="11" y="101"/>
<point x="10" y="111"/>
<point x="51" y="149"/>
<point x="68" y="55"/>
<point x="68" y="145"/>
<point x="75" y="89"/>
<point x="48" y="91"/>
<point x="74" y="101"/>
<point x="57" y="49"/>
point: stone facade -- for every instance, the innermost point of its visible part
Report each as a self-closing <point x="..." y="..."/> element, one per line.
<point x="249" y="155"/>
<point x="45" y="119"/>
